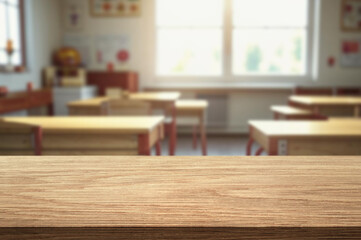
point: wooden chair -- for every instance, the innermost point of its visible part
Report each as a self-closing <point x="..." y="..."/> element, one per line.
<point x="313" y="91"/>
<point x="344" y="91"/>
<point x="20" y="139"/>
<point x="194" y="109"/>
<point x="125" y="107"/>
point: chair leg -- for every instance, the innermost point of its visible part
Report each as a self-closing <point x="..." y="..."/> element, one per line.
<point x="249" y="147"/>
<point x="158" y="148"/>
<point x="195" y="137"/>
<point x="259" y="151"/>
<point x="204" y="139"/>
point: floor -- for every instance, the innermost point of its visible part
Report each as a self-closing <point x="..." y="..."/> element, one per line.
<point x="217" y="146"/>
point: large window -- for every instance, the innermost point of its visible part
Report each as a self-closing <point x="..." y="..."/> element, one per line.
<point x="261" y="37"/>
<point x="189" y="37"/>
<point x="11" y="31"/>
<point x="270" y="37"/>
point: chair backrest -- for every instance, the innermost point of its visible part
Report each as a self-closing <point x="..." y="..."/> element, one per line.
<point x="121" y="107"/>
<point x="316" y="91"/>
<point x="348" y="91"/>
<point x="20" y="139"/>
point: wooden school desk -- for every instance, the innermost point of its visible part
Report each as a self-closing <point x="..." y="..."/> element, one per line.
<point x="180" y="198"/>
<point x="96" y="135"/>
<point x="328" y="105"/>
<point x="165" y="101"/>
<point x="158" y="100"/>
<point x="195" y="109"/>
<point x="306" y="137"/>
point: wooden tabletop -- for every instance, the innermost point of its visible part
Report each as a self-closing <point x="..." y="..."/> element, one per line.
<point x="326" y="100"/>
<point x="339" y="128"/>
<point x="146" y="96"/>
<point x="191" y="104"/>
<point x="180" y="192"/>
<point x="287" y="110"/>
<point x="133" y="125"/>
<point x="93" y="102"/>
<point x="156" y="96"/>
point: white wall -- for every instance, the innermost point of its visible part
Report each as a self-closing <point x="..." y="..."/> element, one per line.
<point x="42" y="24"/>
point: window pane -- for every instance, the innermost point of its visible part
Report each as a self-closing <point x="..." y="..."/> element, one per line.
<point x="189" y="12"/>
<point x="189" y="52"/>
<point x="258" y="13"/>
<point x="3" y="37"/>
<point x="14" y="26"/>
<point x="13" y="2"/>
<point x="3" y="57"/>
<point x="269" y="52"/>
<point x="16" y="58"/>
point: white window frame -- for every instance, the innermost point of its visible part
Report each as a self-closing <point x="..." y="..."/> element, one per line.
<point x="227" y="75"/>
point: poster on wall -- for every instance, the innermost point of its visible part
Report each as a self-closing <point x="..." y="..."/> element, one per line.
<point x="351" y="53"/>
<point x="351" y="15"/>
<point x="115" y="8"/>
<point x="74" y="15"/>
<point x="82" y="44"/>
<point x="112" y="49"/>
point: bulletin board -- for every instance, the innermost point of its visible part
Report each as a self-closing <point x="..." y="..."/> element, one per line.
<point x="351" y="53"/>
<point x="351" y="15"/>
<point x="115" y="8"/>
<point x="112" y="49"/>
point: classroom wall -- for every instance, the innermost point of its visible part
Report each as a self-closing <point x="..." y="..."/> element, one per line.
<point x="42" y="21"/>
<point x="244" y="105"/>
<point x="141" y="32"/>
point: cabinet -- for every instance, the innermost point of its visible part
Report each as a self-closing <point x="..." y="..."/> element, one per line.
<point x="103" y="80"/>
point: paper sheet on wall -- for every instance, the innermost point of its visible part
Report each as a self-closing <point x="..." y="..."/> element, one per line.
<point x="112" y="49"/>
<point x="351" y="53"/>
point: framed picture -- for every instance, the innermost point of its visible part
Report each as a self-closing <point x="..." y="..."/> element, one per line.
<point x="115" y="8"/>
<point x="351" y="15"/>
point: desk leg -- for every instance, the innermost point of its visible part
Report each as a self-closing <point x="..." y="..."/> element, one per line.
<point x="50" y="109"/>
<point x="195" y="140"/>
<point x="250" y="142"/>
<point x="173" y="132"/>
<point x="158" y="146"/>
<point x="259" y="151"/>
<point x="357" y="111"/>
<point x="203" y="136"/>
<point x="276" y="116"/>
<point x="143" y="145"/>
<point x="249" y="147"/>
<point x="38" y="140"/>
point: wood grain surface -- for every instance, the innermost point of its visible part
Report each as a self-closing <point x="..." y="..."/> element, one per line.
<point x="172" y="198"/>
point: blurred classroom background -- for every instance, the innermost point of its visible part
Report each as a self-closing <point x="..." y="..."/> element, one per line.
<point x="180" y="77"/>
